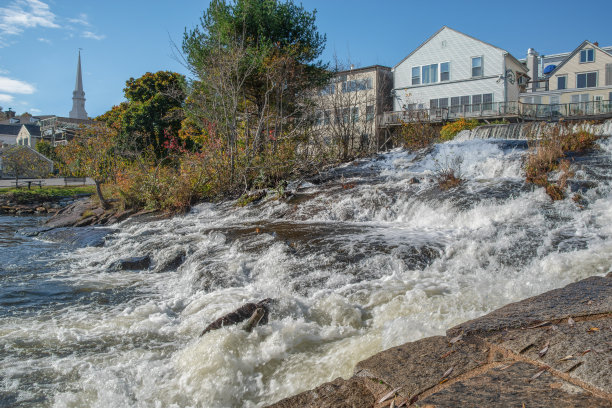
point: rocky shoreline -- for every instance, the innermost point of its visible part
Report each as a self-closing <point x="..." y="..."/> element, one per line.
<point x="554" y="349"/>
<point x="50" y="205"/>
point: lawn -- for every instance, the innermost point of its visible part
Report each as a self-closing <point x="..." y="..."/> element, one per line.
<point x="44" y="193"/>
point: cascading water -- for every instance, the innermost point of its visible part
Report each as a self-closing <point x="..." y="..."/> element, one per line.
<point x="365" y="260"/>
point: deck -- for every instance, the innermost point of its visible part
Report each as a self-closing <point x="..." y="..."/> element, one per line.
<point x="510" y="111"/>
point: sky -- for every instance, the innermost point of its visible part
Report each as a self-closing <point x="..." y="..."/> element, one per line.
<point x="40" y="39"/>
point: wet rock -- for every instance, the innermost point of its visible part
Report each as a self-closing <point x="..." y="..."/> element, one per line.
<point x="413" y="180"/>
<point x="85" y="221"/>
<point x="70" y="215"/>
<point x="241" y="314"/>
<point x="135" y="263"/>
<point x="77" y="237"/>
<point x="528" y="353"/>
<point x="172" y="263"/>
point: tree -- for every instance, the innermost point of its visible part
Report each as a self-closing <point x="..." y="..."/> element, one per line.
<point x="22" y="161"/>
<point x="152" y="114"/>
<point x="254" y="63"/>
<point x="92" y="153"/>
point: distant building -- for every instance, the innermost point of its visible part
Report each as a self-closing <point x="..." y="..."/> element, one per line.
<point x="457" y="73"/>
<point x="78" y="96"/>
<point x="8" y="133"/>
<point x="348" y="108"/>
<point x="583" y="76"/>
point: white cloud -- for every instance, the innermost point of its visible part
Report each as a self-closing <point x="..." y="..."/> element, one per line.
<point x="44" y="40"/>
<point x="4" y="98"/>
<point x="3" y="71"/>
<point x="24" y="14"/>
<point x="35" y="111"/>
<point x="82" y="19"/>
<point x="15" y="86"/>
<point x="93" y="36"/>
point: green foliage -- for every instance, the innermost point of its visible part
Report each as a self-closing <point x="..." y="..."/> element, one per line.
<point x="45" y="193"/>
<point x="22" y="161"/>
<point x="450" y="130"/>
<point x="152" y="114"/>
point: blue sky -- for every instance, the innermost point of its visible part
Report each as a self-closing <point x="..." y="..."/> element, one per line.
<point x="39" y="39"/>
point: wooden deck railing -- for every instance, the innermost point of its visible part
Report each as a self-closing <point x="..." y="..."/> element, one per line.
<point x="500" y="110"/>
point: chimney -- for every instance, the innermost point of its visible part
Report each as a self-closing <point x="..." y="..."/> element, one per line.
<point x="352" y="67"/>
<point x="532" y="67"/>
<point x="10" y="113"/>
<point x="596" y="44"/>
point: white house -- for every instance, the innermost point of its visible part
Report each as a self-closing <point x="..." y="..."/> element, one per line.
<point x="453" y="70"/>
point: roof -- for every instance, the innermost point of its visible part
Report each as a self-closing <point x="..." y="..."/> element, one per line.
<point x="34" y="130"/>
<point x="438" y="32"/>
<point x="569" y="57"/>
<point x="13" y="130"/>
<point x="363" y="69"/>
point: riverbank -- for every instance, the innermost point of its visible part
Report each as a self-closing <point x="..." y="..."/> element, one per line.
<point x="45" y="200"/>
<point x="554" y="349"/>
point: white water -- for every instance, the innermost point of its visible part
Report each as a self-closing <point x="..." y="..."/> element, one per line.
<point x="359" y="264"/>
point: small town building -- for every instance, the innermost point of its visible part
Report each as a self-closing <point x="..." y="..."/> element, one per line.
<point x="579" y="82"/>
<point x="349" y="107"/>
<point x="452" y="72"/>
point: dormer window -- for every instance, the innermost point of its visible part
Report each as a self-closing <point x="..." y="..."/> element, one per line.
<point x="587" y="55"/>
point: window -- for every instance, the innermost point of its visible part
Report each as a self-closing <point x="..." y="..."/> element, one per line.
<point x="357" y="85"/>
<point x="355" y="114"/>
<point x="430" y="73"/>
<point x="587" y="55"/>
<point x="465" y="101"/>
<point x="476" y="66"/>
<point x="476" y="101"/>
<point x="608" y="74"/>
<point x="328" y="89"/>
<point x="320" y="116"/>
<point x="416" y="75"/>
<point x="580" y="98"/>
<point x="433" y="103"/>
<point x="346" y="112"/>
<point x="444" y="71"/>
<point x="562" y="82"/>
<point x="443" y="103"/>
<point x="586" y="80"/>
<point x="327" y="117"/>
<point x="455" y="103"/>
<point x="487" y="101"/>
<point x="554" y="99"/>
<point x="369" y="113"/>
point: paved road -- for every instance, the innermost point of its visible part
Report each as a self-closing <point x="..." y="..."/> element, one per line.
<point x="45" y="182"/>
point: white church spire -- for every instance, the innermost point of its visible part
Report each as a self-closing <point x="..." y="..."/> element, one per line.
<point x="78" y="96"/>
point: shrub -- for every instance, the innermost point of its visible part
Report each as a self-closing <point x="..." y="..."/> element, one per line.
<point x="448" y="174"/>
<point x="417" y="135"/>
<point x="450" y="130"/>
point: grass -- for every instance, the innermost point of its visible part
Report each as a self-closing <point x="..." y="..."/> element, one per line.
<point x="45" y="193"/>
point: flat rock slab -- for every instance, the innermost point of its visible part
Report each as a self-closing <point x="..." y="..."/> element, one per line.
<point x="421" y="365"/>
<point x="554" y="349"/>
<point x="590" y="296"/>
<point x="513" y="387"/>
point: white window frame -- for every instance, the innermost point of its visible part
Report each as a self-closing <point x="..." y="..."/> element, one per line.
<point x="586" y="53"/>
<point x="586" y="82"/>
<point x="481" y="66"/>
<point x="418" y="82"/>
<point x="440" y="71"/>
<point x="562" y="76"/>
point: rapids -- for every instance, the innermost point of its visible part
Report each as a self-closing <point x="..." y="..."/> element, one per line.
<point x="364" y="260"/>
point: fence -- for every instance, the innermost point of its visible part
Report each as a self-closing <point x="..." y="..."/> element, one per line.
<point x="500" y="110"/>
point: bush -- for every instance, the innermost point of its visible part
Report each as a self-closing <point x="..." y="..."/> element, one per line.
<point x="448" y="174"/>
<point x="417" y="135"/>
<point x="450" y="130"/>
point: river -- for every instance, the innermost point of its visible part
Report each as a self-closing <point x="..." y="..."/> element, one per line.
<point x="364" y="260"/>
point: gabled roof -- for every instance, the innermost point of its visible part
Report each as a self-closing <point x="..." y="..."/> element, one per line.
<point x="33" y="129"/>
<point x="571" y="55"/>
<point x="438" y="32"/>
<point x="13" y="130"/>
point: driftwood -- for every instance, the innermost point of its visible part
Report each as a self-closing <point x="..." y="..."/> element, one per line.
<point x="257" y="313"/>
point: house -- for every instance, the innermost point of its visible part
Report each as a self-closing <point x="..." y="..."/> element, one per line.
<point x="29" y="135"/>
<point x="581" y="78"/>
<point x="348" y="108"/>
<point x="456" y="73"/>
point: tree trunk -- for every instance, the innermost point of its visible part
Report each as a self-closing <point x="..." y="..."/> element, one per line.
<point x="103" y="202"/>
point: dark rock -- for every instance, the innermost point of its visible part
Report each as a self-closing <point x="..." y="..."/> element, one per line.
<point x="85" y="221"/>
<point x="241" y="314"/>
<point x="172" y="263"/>
<point x="413" y="180"/>
<point x="70" y="215"/>
<point x="135" y="263"/>
<point x="77" y="237"/>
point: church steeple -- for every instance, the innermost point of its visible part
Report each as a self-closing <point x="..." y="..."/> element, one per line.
<point x="78" y="96"/>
